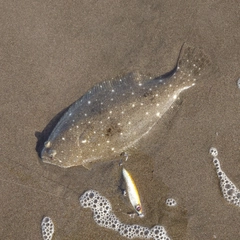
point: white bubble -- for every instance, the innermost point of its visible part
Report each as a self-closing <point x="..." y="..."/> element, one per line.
<point x="213" y="151"/>
<point x="104" y="217"/>
<point x="158" y="232"/>
<point x="171" y="202"/>
<point x="230" y="192"/>
<point x="47" y="228"/>
<point x="238" y="83"/>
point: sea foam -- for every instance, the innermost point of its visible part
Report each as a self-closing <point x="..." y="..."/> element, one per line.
<point x="230" y="192"/>
<point x="103" y="216"/>
<point x="47" y="228"/>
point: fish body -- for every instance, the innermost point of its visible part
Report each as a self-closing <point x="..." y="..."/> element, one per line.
<point x="132" y="192"/>
<point x="112" y="116"/>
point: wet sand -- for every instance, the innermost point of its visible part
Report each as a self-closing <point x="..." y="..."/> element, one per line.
<point x="53" y="52"/>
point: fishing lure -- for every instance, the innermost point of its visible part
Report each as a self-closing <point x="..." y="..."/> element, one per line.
<point x="132" y="192"/>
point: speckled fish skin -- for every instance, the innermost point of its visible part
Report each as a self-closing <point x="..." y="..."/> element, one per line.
<point x="113" y="115"/>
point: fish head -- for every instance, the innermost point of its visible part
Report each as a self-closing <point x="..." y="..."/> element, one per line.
<point x="50" y="155"/>
<point x="59" y="153"/>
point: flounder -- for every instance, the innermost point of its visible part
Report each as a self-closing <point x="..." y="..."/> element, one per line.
<point x="113" y="115"/>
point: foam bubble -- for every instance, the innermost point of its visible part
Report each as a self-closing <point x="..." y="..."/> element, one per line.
<point x="238" y="83"/>
<point x="92" y="199"/>
<point x="47" y="228"/>
<point x="230" y="192"/>
<point x="158" y="232"/>
<point x="213" y="151"/>
<point x="171" y="202"/>
<point x="103" y="216"/>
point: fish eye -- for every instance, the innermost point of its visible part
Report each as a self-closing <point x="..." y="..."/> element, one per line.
<point x="47" y="144"/>
<point x="138" y="208"/>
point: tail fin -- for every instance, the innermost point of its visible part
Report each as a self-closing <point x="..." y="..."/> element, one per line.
<point x="192" y="62"/>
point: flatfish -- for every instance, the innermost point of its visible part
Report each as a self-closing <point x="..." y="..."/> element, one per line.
<point x="113" y="115"/>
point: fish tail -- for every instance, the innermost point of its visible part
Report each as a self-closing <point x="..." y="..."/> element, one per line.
<point x="192" y="63"/>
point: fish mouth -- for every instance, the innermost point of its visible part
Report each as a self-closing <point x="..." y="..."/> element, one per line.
<point x="49" y="155"/>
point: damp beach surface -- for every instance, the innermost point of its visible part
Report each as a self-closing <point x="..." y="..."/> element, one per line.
<point x="52" y="53"/>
